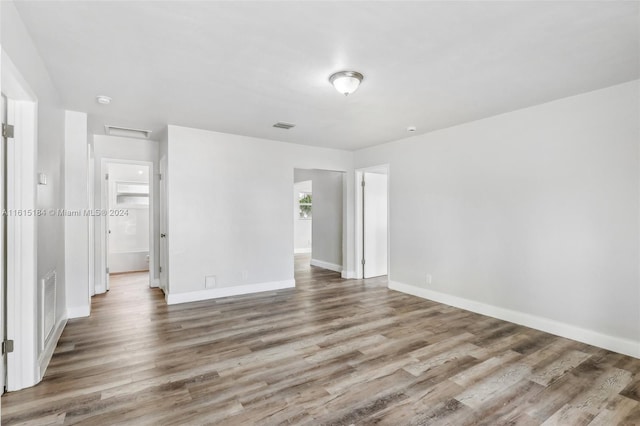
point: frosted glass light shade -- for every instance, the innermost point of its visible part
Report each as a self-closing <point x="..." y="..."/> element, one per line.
<point x="346" y="82"/>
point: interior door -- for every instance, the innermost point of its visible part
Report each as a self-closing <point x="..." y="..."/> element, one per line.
<point x="107" y="232"/>
<point x="163" y="224"/>
<point x="3" y="246"/>
<point x="374" y="224"/>
<point x="92" y="220"/>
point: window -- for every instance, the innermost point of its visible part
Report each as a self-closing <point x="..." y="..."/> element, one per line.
<point x="129" y="194"/>
<point x="304" y="201"/>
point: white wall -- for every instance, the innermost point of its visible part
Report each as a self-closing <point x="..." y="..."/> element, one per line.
<point x="76" y="227"/>
<point x="327" y="219"/>
<point x="111" y="147"/>
<point x="531" y="215"/>
<point x="301" y="227"/>
<point x="230" y="209"/>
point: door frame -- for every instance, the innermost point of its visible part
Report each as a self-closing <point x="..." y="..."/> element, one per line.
<point x="104" y="205"/>
<point x="3" y="232"/>
<point x="92" y="219"/>
<point x="23" y="369"/>
<point x="163" y="242"/>
<point x="359" y="216"/>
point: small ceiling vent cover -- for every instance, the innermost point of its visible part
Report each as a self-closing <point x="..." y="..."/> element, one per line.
<point x="126" y="132"/>
<point x="283" y="125"/>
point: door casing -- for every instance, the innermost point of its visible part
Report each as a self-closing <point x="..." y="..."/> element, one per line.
<point x="164" y="242"/>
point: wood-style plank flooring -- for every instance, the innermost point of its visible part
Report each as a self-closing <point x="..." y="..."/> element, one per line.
<point x="330" y="352"/>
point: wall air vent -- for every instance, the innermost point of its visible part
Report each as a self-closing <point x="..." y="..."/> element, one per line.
<point x="48" y="305"/>
<point x="283" y="125"/>
<point x="126" y="132"/>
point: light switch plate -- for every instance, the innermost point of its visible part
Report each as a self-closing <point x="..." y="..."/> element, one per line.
<point x="42" y="179"/>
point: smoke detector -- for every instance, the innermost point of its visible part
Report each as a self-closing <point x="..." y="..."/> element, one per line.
<point x="103" y="100"/>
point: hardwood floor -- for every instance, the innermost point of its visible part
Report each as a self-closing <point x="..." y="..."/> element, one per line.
<point x="330" y="352"/>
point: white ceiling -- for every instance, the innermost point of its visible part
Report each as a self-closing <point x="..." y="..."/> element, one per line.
<point x="239" y="67"/>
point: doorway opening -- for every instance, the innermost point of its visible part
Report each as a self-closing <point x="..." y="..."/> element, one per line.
<point x="318" y="213"/>
<point x="372" y="224"/>
<point x="127" y="198"/>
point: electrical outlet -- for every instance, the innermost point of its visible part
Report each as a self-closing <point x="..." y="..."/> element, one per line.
<point x="210" y="281"/>
<point x="429" y="279"/>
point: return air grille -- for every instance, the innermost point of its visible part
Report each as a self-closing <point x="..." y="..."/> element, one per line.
<point x="48" y="305"/>
<point x="283" y="125"/>
<point x="126" y="132"/>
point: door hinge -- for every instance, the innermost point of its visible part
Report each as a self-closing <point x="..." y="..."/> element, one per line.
<point x="7" y="130"/>
<point x="161" y="269"/>
<point x="160" y="176"/>
<point x="107" y="270"/>
<point x="7" y="347"/>
<point x="362" y="183"/>
<point x="363" y="261"/>
<point x="106" y="176"/>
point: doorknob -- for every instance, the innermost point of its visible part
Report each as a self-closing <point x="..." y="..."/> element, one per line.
<point x="163" y="235"/>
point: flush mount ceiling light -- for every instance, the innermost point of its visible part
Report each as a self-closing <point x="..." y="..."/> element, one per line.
<point x="346" y="82"/>
<point x="103" y="100"/>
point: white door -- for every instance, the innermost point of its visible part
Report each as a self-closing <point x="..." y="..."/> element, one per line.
<point x="3" y="237"/>
<point x="92" y="220"/>
<point x="163" y="224"/>
<point x="375" y="224"/>
<point x="106" y="203"/>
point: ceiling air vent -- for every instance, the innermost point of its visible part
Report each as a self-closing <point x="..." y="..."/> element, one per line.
<point x="283" y="125"/>
<point x="126" y="132"/>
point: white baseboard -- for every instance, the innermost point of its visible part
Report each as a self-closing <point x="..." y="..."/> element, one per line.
<point x="612" y="343"/>
<point x="50" y="347"/>
<point x="347" y="275"/>
<point x="78" y="312"/>
<point x="301" y="250"/>
<point x="215" y="293"/>
<point x="326" y="265"/>
<point x="154" y="283"/>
